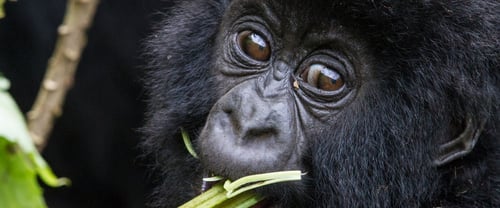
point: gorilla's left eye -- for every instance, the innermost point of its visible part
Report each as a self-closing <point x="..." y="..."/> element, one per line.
<point x="254" y="45"/>
<point x="322" y="77"/>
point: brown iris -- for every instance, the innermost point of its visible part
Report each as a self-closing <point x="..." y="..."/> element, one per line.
<point x="254" y="45"/>
<point x="322" y="77"/>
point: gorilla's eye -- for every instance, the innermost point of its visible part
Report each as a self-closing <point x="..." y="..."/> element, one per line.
<point x="322" y="77"/>
<point x="254" y="45"/>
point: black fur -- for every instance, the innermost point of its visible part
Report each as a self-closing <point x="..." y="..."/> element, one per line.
<point x="434" y="63"/>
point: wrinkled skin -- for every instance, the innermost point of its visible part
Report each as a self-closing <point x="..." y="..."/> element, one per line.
<point x="381" y="104"/>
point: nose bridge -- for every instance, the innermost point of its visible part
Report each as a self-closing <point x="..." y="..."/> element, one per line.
<point x="275" y="83"/>
<point x="280" y="70"/>
<point x="251" y="104"/>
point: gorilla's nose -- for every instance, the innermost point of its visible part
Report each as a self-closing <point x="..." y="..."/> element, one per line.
<point x="253" y="118"/>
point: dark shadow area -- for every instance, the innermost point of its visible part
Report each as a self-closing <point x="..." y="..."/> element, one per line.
<point x="95" y="142"/>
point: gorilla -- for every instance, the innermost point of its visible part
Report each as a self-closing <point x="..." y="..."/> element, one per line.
<point x="380" y="103"/>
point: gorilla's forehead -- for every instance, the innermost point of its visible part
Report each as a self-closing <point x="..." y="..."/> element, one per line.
<point x="291" y="15"/>
<point x="307" y="13"/>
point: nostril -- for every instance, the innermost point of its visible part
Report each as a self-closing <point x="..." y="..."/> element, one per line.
<point x="228" y="111"/>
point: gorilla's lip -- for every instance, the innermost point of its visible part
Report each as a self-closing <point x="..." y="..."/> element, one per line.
<point x="205" y="185"/>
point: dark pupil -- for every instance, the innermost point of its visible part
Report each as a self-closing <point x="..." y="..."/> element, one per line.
<point x="254" y="45"/>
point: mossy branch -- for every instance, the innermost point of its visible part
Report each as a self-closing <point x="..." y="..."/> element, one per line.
<point x="61" y="69"/>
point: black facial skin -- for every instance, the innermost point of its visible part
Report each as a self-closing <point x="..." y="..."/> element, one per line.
<point x="380" y="104"/>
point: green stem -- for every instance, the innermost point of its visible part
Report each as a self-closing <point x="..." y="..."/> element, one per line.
<point x="187" y="143"/>
<point x="239" y="186"/>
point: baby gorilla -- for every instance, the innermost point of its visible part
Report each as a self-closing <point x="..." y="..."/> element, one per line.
<point x="380" y="103"/>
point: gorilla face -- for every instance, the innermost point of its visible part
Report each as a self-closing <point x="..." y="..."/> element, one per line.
<point x="275" y="80"/>
<point x="381" y="104"/>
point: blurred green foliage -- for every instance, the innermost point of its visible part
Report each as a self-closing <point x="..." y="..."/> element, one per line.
<point x="2" y="14"/>
<point x="20" y="162"/>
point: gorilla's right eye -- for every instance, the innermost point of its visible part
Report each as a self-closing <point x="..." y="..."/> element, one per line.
<point x="322" y="77"/>
<point x="254" y="45"/>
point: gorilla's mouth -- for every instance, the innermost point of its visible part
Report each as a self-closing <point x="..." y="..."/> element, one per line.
<point x="216" y="191"/>
<point x="229" y="193"/>
<point x="264" y="203"/>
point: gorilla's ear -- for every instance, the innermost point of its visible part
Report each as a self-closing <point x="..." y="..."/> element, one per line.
<point x="461" y="145"/>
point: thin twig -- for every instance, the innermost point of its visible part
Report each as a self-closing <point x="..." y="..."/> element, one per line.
<point x="61" y="69"/>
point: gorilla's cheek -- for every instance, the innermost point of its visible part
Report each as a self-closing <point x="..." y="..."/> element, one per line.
<point x="247" y="133"/>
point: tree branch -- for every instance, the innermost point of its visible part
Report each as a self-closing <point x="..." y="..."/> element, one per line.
<point x="61" y="69"/>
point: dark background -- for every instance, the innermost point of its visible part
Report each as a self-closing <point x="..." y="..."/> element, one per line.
<point x="95" y="142"/>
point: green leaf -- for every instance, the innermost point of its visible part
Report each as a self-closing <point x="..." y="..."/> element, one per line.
<point x="19" y="184"/>
<point x="12" y="124"/>
<point x="20" y="162"/>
